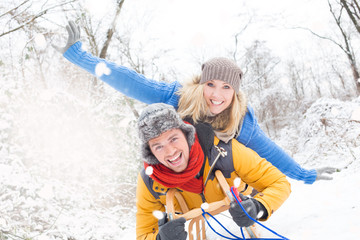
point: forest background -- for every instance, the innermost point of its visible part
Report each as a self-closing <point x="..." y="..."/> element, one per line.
<point x="68" y="142"/>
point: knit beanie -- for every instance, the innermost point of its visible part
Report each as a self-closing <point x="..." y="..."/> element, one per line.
<point x="156" y="119"/>
<point x="222" y="69"/>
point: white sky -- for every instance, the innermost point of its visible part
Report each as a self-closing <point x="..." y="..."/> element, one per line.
<point x="187" y="23"/>
<point x="206" y="28"/>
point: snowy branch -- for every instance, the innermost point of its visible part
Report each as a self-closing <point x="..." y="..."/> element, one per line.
<point x="320" y="36"/>
<point x="33" y="18"/>
<point x="352" y="14"/>
<point x="13" y="9"/>
<point x="8" y="233"/>
<point x="264" y="73"/>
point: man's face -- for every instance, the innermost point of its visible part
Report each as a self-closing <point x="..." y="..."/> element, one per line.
<point x="171" y="149"/>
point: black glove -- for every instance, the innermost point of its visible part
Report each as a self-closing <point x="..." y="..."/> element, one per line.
<point x="252" y="207"/>
<point x="73" y="36"/>
<point x="172" y="230"/>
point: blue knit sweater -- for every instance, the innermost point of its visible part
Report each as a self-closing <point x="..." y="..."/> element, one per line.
<point x="149" y="91"/>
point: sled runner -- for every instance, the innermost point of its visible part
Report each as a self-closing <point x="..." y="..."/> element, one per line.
<point x="196" y="216"/>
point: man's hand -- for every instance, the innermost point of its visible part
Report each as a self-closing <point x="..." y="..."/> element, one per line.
<point x="322" y="173"/>
<point x="252" y="207"/>
<point x="172" y="230"/>
<point x="73" y="36"/>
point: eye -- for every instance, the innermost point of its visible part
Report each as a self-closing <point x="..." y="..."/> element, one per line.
<point x="210" y="84"/>
<point x="227" y="87"/>
<point x="158" y="148"/>
<point x="174" y="139"/>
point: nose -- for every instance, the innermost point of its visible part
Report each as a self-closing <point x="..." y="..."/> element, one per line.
<point x="170" y="150"/>
<point x="215" y="92"/>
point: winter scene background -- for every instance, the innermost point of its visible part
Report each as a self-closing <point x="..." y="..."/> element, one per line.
<point x="68" y="142"/>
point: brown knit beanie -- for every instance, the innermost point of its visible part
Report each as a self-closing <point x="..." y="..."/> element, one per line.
<point x="222" y="69"/>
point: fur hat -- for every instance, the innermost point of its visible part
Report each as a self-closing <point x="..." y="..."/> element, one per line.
<point x="156" y="119"/>
<point x="222" y="69"/>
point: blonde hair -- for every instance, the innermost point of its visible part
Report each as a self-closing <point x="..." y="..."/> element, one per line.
<point x="193" y="104"/>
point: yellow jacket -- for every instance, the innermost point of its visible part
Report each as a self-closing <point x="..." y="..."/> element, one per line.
<point x="258" y="173"/>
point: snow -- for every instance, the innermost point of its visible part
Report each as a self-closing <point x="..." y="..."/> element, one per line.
<point x="40" y="41"/>
<point x="326" y="138"/>
<point x="60" y="171"/>
<point x="205" y="206"/>
<point x="102" y="69"/>
<point x="149" y="170"/>
<point x="325" y="210"/>
<point x="98" y="9"/>
<point x="158" y="214"/>
<point x="45" y="207"/>
<point x="355" y="115"/>
<point x="237" y="182"/>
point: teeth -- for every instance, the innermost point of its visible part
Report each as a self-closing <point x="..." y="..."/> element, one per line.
<point x="216" y="102"/>
<point x="175" y="158"/>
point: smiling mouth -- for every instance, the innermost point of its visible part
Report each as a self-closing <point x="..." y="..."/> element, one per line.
<point x="176" y="159"/>
<point x="216" y="102"/>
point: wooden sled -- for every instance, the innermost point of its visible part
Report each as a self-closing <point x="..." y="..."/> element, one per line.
<point x="195" y="216"/>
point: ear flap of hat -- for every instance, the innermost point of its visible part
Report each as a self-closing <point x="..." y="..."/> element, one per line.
<point x="189" y="131"/>
<point x="147" y="155"/>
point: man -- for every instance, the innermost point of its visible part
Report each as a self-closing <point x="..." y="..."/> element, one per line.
<point x="179" y="158"/>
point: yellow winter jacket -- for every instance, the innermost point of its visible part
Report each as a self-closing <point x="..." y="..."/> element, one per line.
<point x="255" y="171"/>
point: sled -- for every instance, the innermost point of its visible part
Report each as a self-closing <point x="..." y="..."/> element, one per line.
<point x="195" y="215"/>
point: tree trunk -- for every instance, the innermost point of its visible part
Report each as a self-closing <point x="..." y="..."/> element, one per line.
<point x="356" y="76"/>
<point x="353" y="15"/>
<point x="97" y="87"/>
<point x="347" y="49"/>
<point x="111" y="30"/>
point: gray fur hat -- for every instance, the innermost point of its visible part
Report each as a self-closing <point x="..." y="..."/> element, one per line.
<point x="222" y="69"/>
<point x="156" y="119"/>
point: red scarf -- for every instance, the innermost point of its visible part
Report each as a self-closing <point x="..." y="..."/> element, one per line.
<point x="185" y="180"/>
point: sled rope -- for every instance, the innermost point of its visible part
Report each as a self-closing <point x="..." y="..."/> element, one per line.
<point x="234" y="237"/>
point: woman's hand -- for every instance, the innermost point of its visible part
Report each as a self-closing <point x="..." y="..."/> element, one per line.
<point x="73" y="36"/>
<point x="322" y="173"/>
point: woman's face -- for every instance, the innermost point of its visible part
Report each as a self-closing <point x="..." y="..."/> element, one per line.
<point x="218" y="95"/>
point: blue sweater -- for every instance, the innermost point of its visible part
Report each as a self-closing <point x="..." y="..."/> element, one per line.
<point x="149" y="91"/>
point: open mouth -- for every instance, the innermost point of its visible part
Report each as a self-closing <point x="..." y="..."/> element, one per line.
<point x="175" y="160"/>
<point x="216" y="102"/>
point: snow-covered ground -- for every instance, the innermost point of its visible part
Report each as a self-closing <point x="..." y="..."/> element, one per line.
<point x="325" y="210"/>
<point x="39" y="208"/>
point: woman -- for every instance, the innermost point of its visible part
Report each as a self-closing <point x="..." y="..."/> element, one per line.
<point x="214" y="97"/>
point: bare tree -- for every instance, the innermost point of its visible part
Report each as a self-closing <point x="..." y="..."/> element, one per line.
<point x="352" y="8"/>
<point x="262" y="86"/>
<point x="237" y="35"/>
<point x="97" y="86"/>
<point x="26" y="23"/>
<point x="259" y="63"/>
<point x="25" y="18"/>
<point x="346" y="46"/>
<point x="97" y="50"/>
<point x="296" y="81"/>
<point x="139" y="64"/>
<point x="111" y="30"/>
